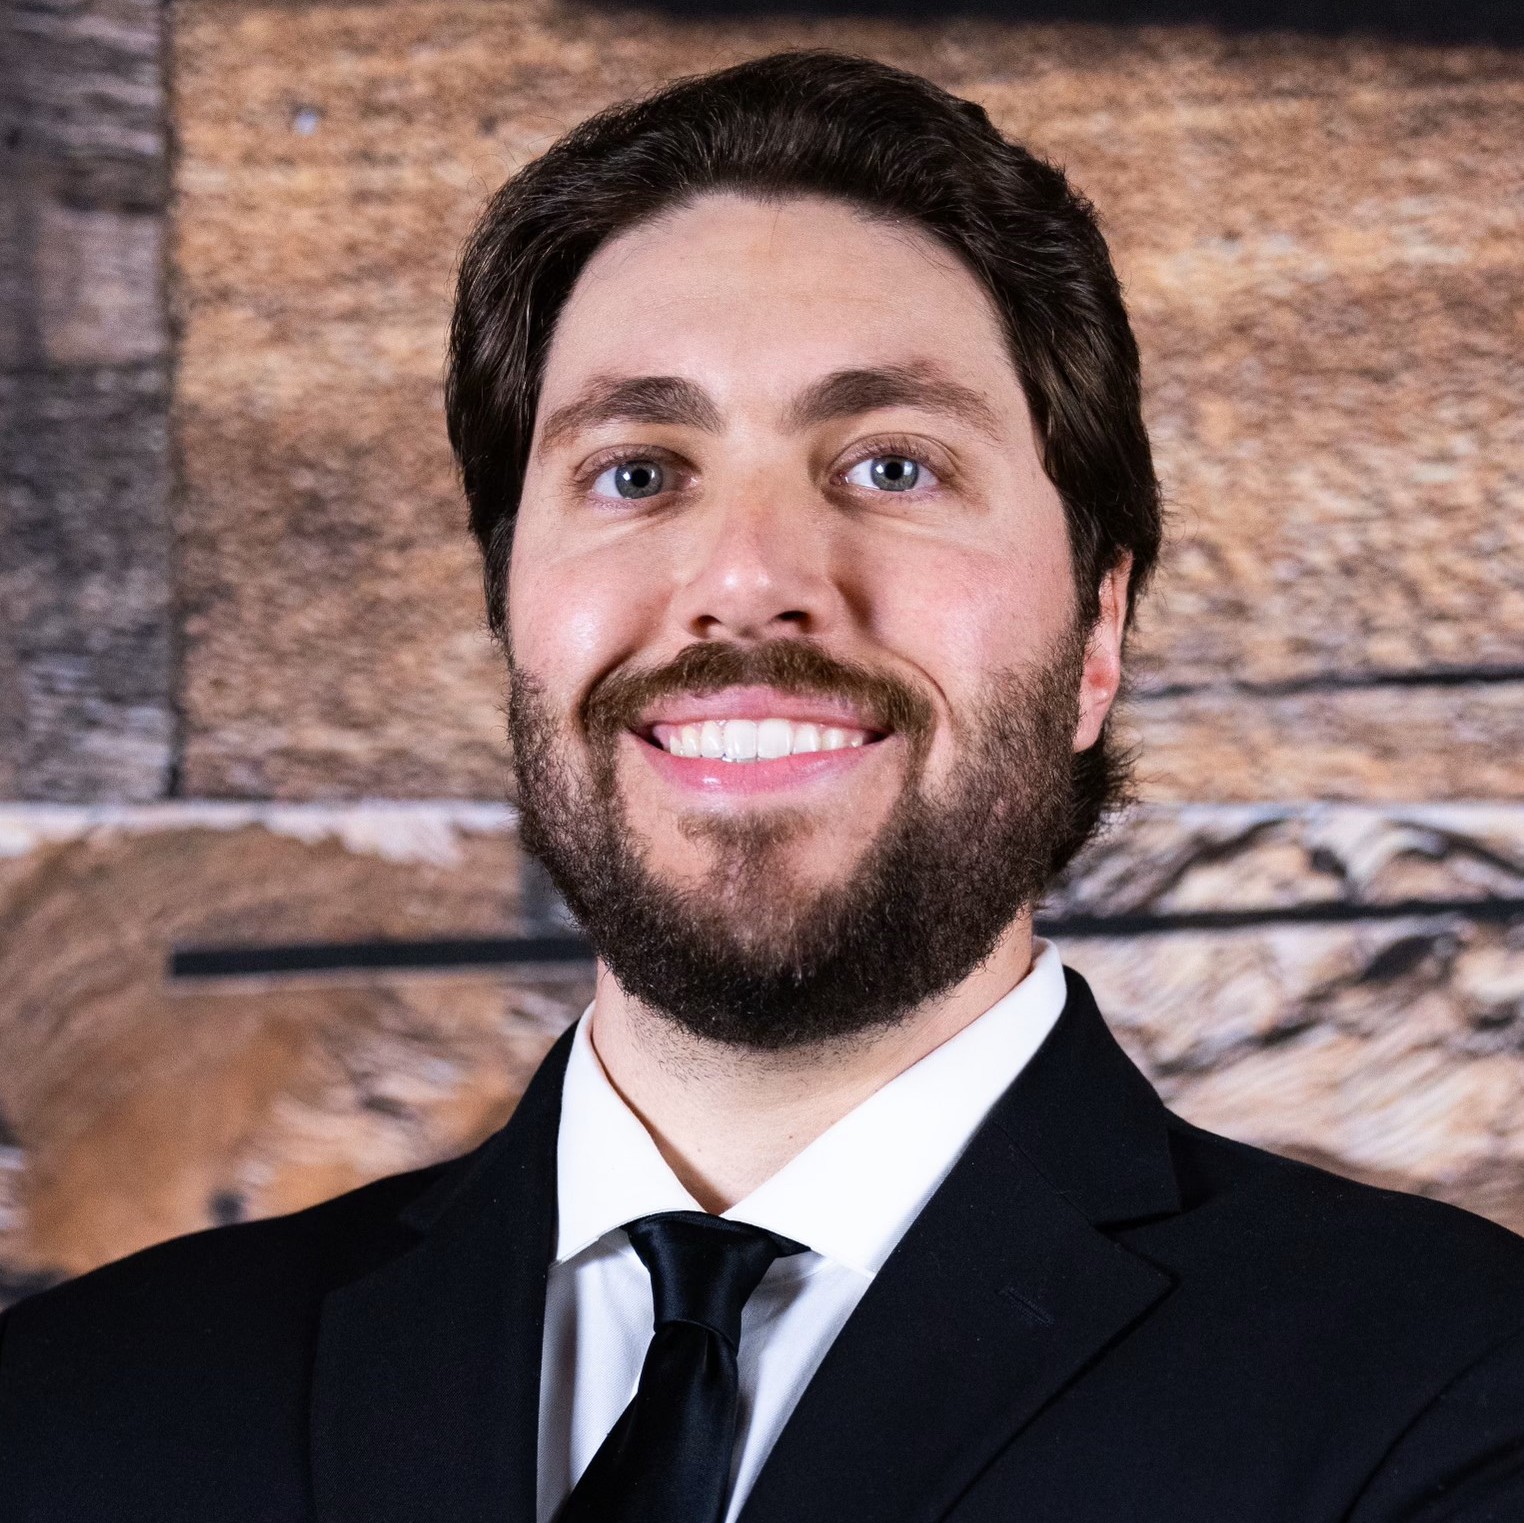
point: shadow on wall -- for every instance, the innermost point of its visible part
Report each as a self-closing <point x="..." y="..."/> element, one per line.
<point x="1461" y="21"/>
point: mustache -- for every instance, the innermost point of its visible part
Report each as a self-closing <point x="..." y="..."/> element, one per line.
<point x="797" y="667"/>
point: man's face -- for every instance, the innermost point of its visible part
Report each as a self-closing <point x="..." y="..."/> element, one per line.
<point x="790" y="600"/>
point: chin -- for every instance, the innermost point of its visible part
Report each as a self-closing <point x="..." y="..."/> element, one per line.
<point x="769" y="864"/>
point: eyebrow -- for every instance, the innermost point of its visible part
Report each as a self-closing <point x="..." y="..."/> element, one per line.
<point x="846" y="393"/>
<point x="639" y="399"/>
<point x="673" y="400"/>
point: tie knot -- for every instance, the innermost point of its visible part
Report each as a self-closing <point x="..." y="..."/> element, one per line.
<point x="704" y="1268"/>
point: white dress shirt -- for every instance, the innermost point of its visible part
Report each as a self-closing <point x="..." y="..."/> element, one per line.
<point x="849" y="1196"/>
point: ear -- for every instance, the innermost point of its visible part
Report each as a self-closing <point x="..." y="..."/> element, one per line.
<point x="1102" y="674"/>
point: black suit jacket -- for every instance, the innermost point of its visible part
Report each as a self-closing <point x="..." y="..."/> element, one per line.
<point x="1103" y="1315"/>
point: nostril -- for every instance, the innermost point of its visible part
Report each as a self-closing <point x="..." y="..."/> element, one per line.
<point x="791" y="621"/>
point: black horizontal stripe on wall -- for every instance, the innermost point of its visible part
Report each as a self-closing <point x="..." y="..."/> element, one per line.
<point x="1460" y="21"/>
<point x="1337" y="912"/>
<point x="376" y="956"/>
<point x="1339" y="682"/>
<point x="467" y="952"/>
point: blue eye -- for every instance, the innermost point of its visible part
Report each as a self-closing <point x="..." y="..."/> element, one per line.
<point x="631" y="478"/>
<point x="890" y="473"/>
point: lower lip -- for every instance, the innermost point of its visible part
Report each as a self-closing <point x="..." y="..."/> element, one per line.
<point x="721" y="779"/>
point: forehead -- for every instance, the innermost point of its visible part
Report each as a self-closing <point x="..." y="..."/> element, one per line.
<point x="749" y="296"/>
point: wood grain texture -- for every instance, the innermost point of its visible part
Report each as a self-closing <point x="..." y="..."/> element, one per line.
<point x="1386" y="741"/>
<point x="86" y="603"/>
<point x="1320" y="1021"/>
<point x="1336" y="1019"/>
<point x="1320" y="242"/>
<point x="137" y="1108"/>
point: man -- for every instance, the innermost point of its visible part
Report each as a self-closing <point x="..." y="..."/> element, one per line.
<point x="799" y="418"/>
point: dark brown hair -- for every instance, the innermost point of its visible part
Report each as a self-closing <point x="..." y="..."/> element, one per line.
<point x="814" y="123"/>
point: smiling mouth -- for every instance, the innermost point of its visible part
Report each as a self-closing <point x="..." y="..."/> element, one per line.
<point x="754" y="740"/>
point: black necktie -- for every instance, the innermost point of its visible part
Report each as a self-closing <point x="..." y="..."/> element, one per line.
<point x="667" y="1459"/>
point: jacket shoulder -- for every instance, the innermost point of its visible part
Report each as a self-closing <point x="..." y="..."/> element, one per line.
<point x="1299" y="1233"/>
<point x="212" y="1298"/>
<point x="137" y="1390"/>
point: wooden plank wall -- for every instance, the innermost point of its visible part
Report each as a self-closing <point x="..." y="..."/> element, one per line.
<point x="86" y="620"/>
<point x="255" y="703"/>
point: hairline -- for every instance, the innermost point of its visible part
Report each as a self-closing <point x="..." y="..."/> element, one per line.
<point x="917" y="233"/>
<point x="1090" y="563"/>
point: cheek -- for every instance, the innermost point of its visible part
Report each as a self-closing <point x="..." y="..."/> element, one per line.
<point x="960" y="616"/>
<point x="560" y="627"/>
<point x="573" y="613"/>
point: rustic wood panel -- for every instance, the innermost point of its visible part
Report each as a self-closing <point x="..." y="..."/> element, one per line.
<point x="1359" y="1000"/>
<point x="1355" y="995"/>
<point x="86" y="699"/>
<point x="136" y="1108"/>
<point x="1390" y="741"/>
<point x="1321" y="244"/>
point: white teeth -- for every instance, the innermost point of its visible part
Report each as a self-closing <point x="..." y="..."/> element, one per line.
<point x="774" y="739"/>
<point x="744" y="740"/>
<point x="740" y="740"/>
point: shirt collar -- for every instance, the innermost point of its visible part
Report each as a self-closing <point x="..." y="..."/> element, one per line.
<point x="608" y="1170"/>
<point x="854" y="1190"/>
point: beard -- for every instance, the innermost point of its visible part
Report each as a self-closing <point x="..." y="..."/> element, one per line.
<point x="751" y="957"/>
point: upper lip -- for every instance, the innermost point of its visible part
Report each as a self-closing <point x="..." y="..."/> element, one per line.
<point x="756" y="703"/>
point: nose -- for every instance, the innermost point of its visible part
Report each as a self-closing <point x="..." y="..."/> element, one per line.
<point x="758" y="570"/>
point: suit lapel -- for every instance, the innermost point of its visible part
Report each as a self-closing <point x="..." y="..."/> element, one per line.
<point x="1003" y="1291"/>
<point x="426" y="1383"/>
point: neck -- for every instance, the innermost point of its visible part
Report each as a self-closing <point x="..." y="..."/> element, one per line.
<point x="726" y="1118"/>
